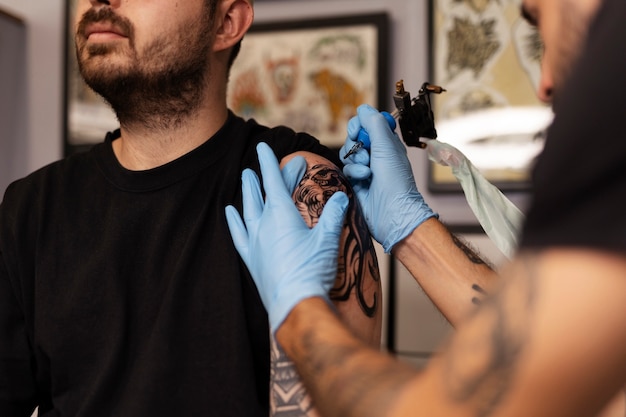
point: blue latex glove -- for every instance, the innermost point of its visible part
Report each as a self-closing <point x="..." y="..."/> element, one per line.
<point x="383" y="180"/>
<point x="288" y="261"/>
<point x="363" y="138"/>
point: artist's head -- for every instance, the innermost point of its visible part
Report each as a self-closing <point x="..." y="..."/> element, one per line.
<point x="146" y="57"/>
<point x="563" y="26"/>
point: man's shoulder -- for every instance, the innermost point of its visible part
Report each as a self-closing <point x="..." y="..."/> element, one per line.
<point x="284" y="140"/>
<point x="50" y="176"/>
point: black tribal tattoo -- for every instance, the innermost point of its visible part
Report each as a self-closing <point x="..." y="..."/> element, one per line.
<point x="357" y="261"/>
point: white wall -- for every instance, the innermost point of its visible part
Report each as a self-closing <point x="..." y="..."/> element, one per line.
<point x="40" y="107"/>
<point x="12" y="87"/>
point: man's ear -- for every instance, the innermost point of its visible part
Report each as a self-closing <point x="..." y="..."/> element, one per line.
<point x="234" y="19"/>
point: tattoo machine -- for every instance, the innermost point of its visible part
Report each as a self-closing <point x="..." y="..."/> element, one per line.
<point x="414" y="115"/>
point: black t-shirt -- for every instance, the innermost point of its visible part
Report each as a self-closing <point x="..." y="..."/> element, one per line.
<point x="121" y="293"/>
<point x="580" y="178"/>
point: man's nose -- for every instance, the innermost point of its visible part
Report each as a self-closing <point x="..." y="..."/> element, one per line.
<point x="545" y="90"/>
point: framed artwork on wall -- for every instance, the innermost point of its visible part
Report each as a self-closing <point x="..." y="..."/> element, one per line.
<point x="311" y="75"/>
<point x="488" y="59"/>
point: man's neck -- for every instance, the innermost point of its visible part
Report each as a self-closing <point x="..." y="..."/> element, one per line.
<point x="141" y="147"/>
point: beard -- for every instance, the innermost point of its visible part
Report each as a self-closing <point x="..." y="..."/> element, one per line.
<point x="157" y="87"/>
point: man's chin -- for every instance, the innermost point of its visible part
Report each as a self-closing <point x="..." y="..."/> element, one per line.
<point x="89" y="53"/>
<point x="109" y="49"/>
<point x="104" y="79"/>
<point x="103" y="65"/>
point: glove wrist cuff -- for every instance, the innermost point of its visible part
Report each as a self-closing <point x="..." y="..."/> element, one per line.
<point x="404" y="230"/>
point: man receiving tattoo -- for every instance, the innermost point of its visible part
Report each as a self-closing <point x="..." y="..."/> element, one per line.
<point x="121" y="293"/>
<point x="547" y="337"/>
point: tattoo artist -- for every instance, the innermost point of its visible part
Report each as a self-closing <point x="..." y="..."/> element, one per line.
<point x="549" y="339"/>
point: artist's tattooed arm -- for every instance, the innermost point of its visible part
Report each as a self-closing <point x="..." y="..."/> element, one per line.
<point x="453" y="276"/>
<point x="541" y="345"/>
<point x="479" y="293"/>
<point x="551" y="340"/>
<point x="470" y="252"/>
<point x="482" y="361"/>
<point x="357" y="291"/>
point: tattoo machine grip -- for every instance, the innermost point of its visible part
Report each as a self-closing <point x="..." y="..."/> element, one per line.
<point x="363" y="138"/>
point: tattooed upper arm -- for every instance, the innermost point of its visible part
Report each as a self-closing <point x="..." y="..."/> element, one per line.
<point x="357" y="290"/>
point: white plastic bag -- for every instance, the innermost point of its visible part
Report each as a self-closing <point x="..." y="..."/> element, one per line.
<point x="499" y="217"/>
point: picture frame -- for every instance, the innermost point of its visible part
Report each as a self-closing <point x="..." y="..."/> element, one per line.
<point x="487" y="57"/>
<point x="311" y="74"/>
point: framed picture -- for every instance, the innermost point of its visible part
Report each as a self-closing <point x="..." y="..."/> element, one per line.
<point x="488" y="59"/>
<point x="311" y="75"/>
<point x="87" y="116"/>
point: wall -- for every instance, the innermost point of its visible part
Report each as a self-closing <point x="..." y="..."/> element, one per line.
<point x="12" y="103"/>
<point x="38" y="108"/>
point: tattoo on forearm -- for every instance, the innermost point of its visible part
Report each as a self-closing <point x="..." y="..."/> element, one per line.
<point x="480" y="370"/>
<point x="357" y="261"/>
<point x="479" y="290"/>
<point x="288" y="397"/>
<point x="471" y="255"/>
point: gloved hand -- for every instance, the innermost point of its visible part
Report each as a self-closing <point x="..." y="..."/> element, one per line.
<point x="383" y="180"/>
<point x="288" y="261"/>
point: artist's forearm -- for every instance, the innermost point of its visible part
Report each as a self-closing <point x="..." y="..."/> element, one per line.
<point x="507" y="359"/>
<point x="453" y="277"/>
<point x="344" y="376"/>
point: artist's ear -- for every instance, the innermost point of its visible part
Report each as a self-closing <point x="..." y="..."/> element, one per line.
<point x="234" y="19"/>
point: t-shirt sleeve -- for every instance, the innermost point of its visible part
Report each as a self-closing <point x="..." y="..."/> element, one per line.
<point x="285" y="141"/>
<point x="580" y="177"/>
<point x="17" y="386"/>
